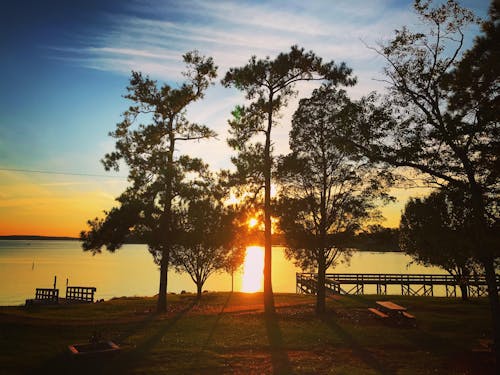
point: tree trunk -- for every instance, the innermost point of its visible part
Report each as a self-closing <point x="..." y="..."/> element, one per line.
<point x="268" y="287"/>
<point x="487" y="259"/>
<point x="320" y="289"/>
<point x="161" y="306"/>
<point x="199" y="287"/>
<point x="489" y="270"/>
<point x="465" y="291"/>
<point x="167" y="225"/>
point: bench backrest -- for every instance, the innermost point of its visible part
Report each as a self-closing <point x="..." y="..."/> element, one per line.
<point x="47" y="294"/>
<point x="80" y="293"/>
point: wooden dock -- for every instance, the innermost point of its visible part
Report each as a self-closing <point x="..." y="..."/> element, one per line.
<point x="410" y="284"/>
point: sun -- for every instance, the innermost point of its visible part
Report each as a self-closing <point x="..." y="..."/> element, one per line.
<point x="253" y="268"/>
<point x="252" y="222"/>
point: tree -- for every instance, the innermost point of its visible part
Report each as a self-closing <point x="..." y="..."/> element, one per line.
<point x="444" y="120"/>
<point x="207" y="235"/>
<point x="327" y="194"/>
<point x="158" y="176"/>
<point x="436" y="230"/>
<point x="238" y="244"/>
<point x="268" y="84"/>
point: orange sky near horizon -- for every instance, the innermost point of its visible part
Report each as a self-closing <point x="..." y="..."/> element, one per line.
<point x="59" y="205"/>
<point x="53" y="205"/>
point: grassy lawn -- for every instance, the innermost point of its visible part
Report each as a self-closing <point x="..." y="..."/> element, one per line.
<point x="228" y="333"/>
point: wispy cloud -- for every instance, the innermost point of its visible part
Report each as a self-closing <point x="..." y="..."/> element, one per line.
<point x="231" y="32"/>
<point x="151" y="36"/>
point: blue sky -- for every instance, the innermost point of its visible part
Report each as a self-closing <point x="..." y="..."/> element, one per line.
<point x="66" y="64"/>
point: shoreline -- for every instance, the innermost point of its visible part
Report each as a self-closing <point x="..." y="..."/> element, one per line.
<point x="37" y="238"/>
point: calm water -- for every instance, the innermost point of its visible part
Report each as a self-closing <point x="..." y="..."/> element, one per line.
<point x="26" y="265"/>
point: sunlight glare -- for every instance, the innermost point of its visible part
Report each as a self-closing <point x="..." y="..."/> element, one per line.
<point x="252" y="222"/>
<point x="253" y="269"/>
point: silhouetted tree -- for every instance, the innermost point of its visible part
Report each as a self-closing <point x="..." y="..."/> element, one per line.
<point x="437" y="231"/>
<point x="327" y="194"/>
<point x="113" y="230"/>
<point x="444" y="120"/>
<point x="268" y="84"/>
<point x="239" y="242"/>
<point x="208" y="230"/>
<point x="157" y="175"/>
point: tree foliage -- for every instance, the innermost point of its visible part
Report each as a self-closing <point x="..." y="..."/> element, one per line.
<point x="441" y="116"/>
<point x="327" y="194"/>
<point x="437" y="231"/>
<point x="421" y="123"/>
<point x="158" y="177"/>
<point x="208" y="235"/>
<point x="268" y="85"/>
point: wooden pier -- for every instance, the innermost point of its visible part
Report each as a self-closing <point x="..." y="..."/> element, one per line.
<point x="411" y="284"/>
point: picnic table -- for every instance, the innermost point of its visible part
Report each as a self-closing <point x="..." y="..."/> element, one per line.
<point x="388" y="309"/>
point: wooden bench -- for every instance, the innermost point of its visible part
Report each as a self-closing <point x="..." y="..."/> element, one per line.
<point x="80" y="294"/>
<point x="377" y="312"/>
<point x="44" y="296"/>
<point x="407" y="315"/>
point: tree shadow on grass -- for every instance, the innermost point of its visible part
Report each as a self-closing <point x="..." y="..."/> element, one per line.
<point x="121" y="362"/>
<point x="357" y="349"/>
<point x="279" y="357"/>
<point x="216" y="323"/>
<point x="359" y="298"/>
<point x="143" y="348"/>
<point x="197" y="360"/>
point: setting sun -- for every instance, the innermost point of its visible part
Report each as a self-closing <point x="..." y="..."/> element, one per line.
<point x="252" y="269"/>
<point x="252" y="222"/>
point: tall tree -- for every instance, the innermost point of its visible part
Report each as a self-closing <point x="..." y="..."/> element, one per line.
<point x="156" y="173"/>
<point x="268" y="84"/>
<point x="327" y="194"/>
<point x="444" y="121"/>
<point x="437" y="231"/>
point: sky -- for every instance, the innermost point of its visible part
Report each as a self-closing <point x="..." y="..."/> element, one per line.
<point x="66" y="65"/>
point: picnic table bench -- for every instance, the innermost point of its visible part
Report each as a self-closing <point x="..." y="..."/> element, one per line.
<point x="44" y="296"/>
<point x="407" y="315"/>
<point x="377" y="312"/>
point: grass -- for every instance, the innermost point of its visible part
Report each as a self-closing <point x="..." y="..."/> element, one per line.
<point x="228" y="333"/>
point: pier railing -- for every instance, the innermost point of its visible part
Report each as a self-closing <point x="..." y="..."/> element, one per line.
<point x="411" y="284"/>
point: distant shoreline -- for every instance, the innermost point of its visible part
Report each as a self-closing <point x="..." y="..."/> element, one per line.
<point x="359" y="245"/>
<point x="34" y="238"/>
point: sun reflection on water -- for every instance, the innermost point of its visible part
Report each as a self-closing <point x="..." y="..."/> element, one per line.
<point x="253" y="270"/>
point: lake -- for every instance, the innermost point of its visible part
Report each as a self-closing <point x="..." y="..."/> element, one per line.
<point x="130" y="271"/>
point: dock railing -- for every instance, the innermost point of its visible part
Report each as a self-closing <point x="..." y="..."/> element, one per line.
<point x="411" y="284"/>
